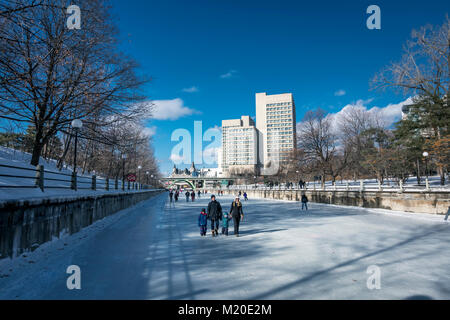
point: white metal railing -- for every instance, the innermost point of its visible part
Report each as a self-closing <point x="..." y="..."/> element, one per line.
<point x="361" y="186"/>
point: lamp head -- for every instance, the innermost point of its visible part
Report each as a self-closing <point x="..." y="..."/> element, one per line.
<point x="77" y="124"/>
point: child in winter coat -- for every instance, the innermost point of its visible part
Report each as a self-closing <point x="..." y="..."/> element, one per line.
<point x="202" y="221"/>
<point x="225" y="222"/>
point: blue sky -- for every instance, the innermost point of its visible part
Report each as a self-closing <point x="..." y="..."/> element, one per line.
<point x="209" y="58"/>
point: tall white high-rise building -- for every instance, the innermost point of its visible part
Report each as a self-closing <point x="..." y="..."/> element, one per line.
<point x="276" y="124"/>
<point x="239" y="145"/>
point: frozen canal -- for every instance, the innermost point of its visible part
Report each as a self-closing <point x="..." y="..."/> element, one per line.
<point x="154" y="251"/>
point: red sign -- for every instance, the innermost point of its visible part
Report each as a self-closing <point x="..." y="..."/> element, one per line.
<point x="131" y="177"/>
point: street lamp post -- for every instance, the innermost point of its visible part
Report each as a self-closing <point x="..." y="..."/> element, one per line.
<point x="124" y="157"/>
<point x="151" y="181"/>
<point x="146" y="176"/>
<point x="298" y="180"/>
<point x="254" y="180"/>
<point x="139" y="177"/>
<point x="77" y="124"/>
<point x="425" y="155"/>
<point x="117" y="158"/>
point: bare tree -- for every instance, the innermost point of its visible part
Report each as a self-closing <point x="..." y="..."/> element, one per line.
<point x="321" y="145"/>
<point x="50" y="75"/>
<point x="424" y="72"/>
<point x="10" y="7"/>
<point x="424" y="67"/>
<point x="352" y="124"/>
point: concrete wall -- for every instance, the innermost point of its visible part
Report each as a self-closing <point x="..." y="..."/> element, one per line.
<point x="24" y="225"/>
<point x="419" y="202"/>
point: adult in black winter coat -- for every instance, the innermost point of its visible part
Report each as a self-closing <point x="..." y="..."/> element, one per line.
<point x="237" y="213"/>
<point x="215" y="215"/>
<point x="304" y="201"/>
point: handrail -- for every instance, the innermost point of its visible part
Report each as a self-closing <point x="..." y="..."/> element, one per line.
<point x="15" y="167"/>
<point x="93" y="181"/>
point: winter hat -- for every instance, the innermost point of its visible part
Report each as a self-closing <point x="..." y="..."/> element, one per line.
<point x="213" y="196"/>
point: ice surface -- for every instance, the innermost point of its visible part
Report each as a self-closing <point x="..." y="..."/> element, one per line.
<point x="154" y="251"/>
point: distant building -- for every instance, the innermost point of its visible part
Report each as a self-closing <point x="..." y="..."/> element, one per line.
<point x="211" y="173"/>
<point x="425" y="132"/>
<point x="276" y="124"/>
<point x="193" y="172"/>
<point x="239" y="146"/>
<point x="186" y="173"/>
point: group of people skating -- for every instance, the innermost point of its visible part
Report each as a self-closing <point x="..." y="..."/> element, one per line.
<point x="245" y="195"/>
<point x="215" y="214"/>
<point x="189" y="195"/>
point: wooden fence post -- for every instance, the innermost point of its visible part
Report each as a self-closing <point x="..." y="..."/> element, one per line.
<point x="39" y="181"/>
<point x="73" y="185"/>
<point x="107" y="184"/>
<point x="94" y="182"/>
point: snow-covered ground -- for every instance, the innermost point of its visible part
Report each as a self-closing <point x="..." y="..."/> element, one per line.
<point x="154" y="251"/>
<point x="53" y="189"/>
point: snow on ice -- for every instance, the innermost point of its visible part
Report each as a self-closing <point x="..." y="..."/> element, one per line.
<point x="154" y="251"/>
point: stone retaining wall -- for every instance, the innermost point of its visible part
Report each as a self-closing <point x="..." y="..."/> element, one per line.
<point x="24" y="225"/>
<point x="419" y="202"/>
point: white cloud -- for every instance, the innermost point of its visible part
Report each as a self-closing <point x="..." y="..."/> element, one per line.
<point x="191" y="89"/>
<point x="387" y="115"/>
<point x="392" y="112"/>
<point x="211" y="155"/>
<point x="340" y="93"/>
<point x="149" y="131"/>
<point x="171" y="109"/>
<point x="176" y="158"/>
<point x="229" y="74"/>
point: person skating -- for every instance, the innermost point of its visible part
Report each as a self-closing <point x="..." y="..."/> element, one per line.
<point x="199" y="193"/>
<point x="245" y="196"/>
<point x="177" y="194"/>
<point x="187" y="194"/>
<point x="193" y="195"/>
<point x="237" y="214"/>
<point x="225" y="222"/>
<point x="215" y="215"/>
<point x="304" y="201"/>
<point x="202" y="222"/>
<point x="171" y="196"/>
